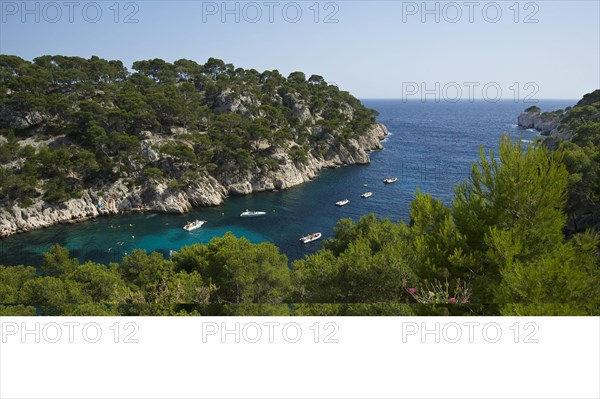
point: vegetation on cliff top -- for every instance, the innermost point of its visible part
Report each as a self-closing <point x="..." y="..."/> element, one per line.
<point x="84" y="121"/>
<point x="579" y="136"/>
<point x="498" y="250"/>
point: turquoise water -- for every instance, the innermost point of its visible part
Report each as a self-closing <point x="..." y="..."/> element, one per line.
<point x="430" y="147"/>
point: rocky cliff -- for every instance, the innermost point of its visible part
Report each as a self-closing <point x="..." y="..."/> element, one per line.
<point x="156" y="196"/>
<point x="80" y="138"/>
<point x="533" y="118"/>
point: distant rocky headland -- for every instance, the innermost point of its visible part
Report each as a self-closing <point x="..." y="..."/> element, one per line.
<point x="576" y="130"/>
<point x="533" y="118"/>
<point x="84" y="138"/>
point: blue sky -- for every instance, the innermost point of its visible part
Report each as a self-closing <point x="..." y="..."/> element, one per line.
<point x="376" y="49"/>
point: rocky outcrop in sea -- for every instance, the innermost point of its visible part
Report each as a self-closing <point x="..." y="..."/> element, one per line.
<point x="547" y="124"/>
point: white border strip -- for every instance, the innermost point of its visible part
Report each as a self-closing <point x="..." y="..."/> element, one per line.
<point x="284" y="357"/>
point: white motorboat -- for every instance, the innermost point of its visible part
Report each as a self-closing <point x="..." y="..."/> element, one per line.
<point x="389" y="180"/>
<point x="367" y="195"/>
<point x="252" y="214"/>
<point x="196" y="224"/>
<point x="310" y="237"/>
<point x="342" y="202"/>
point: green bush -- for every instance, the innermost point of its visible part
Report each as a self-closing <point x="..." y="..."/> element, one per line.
<point x="298" y="154"/>
<point x="153" y="173"/>
<point x="26" y="203"/>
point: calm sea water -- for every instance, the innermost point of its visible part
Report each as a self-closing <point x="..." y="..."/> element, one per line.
<point x="430" y="147"/>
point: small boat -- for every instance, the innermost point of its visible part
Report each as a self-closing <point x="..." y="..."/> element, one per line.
<point x="389" y="180"/>
<point x="252" y="214"/>
<point x="196" y="224"/>
<point x="367" y="195"/>
<point x="342" y="202"/>
<point x="310" y="237"/>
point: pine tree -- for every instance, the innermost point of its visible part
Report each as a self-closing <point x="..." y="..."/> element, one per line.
<point x="511" y="216"/>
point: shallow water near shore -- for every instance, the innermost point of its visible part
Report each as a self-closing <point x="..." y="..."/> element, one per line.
<point x="430" y="146"/>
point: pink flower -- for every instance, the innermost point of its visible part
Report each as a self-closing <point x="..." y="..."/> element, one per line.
<point x="412" y="291"/>
<point x="452" y="300"/>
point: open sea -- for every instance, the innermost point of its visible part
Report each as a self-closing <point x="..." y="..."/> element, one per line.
<point x="430" y="146"/>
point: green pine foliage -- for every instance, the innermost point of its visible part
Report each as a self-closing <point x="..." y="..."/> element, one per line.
<point x="227" y="276"/>
<point x="578" y="134"/>
<point x="87" y="118"/>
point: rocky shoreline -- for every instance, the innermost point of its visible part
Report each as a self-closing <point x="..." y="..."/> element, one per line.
<point x="544" y="123"/>
<point x="157" y="197"/>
